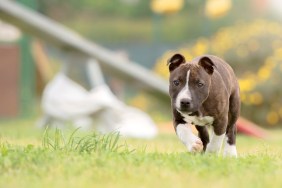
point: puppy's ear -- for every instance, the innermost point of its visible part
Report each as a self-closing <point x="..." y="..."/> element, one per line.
<point x="207" y="64"/>
<point x="175" y="61"/>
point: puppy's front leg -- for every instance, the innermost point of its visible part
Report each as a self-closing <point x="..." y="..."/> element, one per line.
<point x="185" y="134"/>
<point x="218" y="134"/>
<point x="215" y="144"/>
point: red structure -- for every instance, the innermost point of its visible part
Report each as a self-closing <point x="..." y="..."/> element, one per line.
<point x="249" y="128"/>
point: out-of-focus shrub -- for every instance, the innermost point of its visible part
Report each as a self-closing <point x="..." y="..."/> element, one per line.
<point x="254" y="50"/>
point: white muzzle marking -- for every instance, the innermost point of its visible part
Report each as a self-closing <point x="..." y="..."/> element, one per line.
<point x="185" y="92"/>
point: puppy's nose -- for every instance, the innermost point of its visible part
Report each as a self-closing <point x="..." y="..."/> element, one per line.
<point x="185" y="102"/>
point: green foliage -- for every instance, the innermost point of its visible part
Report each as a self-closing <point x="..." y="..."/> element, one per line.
<point x="31" y="166"/>
<point x="110" y="8"/>
<point x="108" y="21"/>
<point x="93" y="142"/>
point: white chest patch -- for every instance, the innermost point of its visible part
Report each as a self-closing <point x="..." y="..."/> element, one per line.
<point x="196" y="120"/>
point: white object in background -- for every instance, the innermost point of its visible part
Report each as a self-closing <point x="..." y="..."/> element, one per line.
<point x="9" y="33"/>
<point x="66" y="101"/>
<point x="276" y="7"/>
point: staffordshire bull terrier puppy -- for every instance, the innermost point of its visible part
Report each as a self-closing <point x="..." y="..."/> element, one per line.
<point x="204" y="92"/>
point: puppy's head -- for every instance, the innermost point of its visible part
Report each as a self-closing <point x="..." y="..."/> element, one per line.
<point x="189" y="83"/>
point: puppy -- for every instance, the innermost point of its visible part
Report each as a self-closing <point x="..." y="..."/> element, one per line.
<point x="204" y="92"/>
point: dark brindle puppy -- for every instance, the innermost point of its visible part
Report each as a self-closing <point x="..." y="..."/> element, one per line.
<point x="204" y="92"/>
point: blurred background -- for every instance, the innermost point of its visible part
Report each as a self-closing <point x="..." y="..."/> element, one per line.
<point x="246" y="33"/>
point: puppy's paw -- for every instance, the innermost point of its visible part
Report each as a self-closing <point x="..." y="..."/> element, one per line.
<point x="197" y="146"/>
<point x="194" y="145"/>
<point x="215" y="144"/>
<point x="230" y="151"/>
<point x="192" y="142"/>
<point x="212" y="149"/>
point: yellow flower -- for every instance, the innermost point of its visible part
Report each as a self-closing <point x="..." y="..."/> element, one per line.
<point x="200" y="47"/>
<point x="278" y="53"/>
<point x="280" y="112"/>
<point x="166" y="6"/>
<point x="264" y="73"/>
<point x="162" y="69"/>
<point x="246" y="84"/>
<point x="188" y="56"/>
<point x="217" y="8"/>
<point x="272" y="117"/>
<point x="243" y="97"/>
<point x="269" y="63"/>
<point x="256" y="98"/>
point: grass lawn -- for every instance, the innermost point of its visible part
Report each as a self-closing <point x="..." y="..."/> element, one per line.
<point x="30" y="158"/>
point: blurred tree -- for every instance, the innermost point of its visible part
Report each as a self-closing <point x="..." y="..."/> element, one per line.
<point x="166" y="6"/>
<point x="217" y="8"/>
<point x="132" y="22"/>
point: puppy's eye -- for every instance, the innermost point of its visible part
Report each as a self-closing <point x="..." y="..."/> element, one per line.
<point x="176" y="82"/>
<point x="200" y="84"/>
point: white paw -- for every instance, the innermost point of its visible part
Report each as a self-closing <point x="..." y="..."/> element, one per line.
<point x="230" y="151"/>
<point x="215" y="144"/>
<point x="197" y="146"/>
<point x="212" y="149"/>
<point x="192" y="142"/>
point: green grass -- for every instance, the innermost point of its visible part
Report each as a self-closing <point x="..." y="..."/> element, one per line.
<point x="34" y="158"/>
